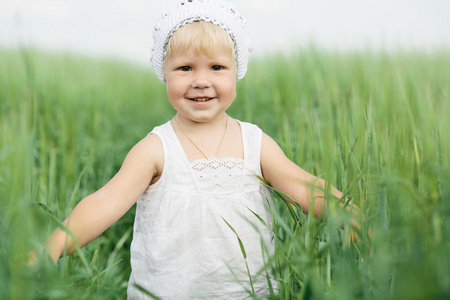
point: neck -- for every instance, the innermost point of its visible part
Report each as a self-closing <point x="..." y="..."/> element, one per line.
<point x="208" y="126"/>
<point x="196" y="144"/>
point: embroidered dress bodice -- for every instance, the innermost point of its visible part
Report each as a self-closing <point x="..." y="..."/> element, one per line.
<point x="182" y="246"/>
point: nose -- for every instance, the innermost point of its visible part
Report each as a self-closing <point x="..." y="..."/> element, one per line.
<point x="201" y="80"/>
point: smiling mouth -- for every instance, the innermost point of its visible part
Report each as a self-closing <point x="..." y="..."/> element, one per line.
<point x="201" y="99"/>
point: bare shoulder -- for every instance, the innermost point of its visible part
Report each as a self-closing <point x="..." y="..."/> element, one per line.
<point x="269" y="146"/>
<point x="271" y="153"/>
<point x="279" y="171"/>
<point x="273" y="159"/>
<point x="148" y="154"/>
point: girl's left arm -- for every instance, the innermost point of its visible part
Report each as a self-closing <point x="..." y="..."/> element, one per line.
<point x="284" y="175"/>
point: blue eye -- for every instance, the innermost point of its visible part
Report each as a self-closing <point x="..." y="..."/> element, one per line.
<point x="217" y="68"/>
<point x="185" y="68"/>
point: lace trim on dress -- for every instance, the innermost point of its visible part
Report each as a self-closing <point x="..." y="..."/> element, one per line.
<point x="217" y="163"/>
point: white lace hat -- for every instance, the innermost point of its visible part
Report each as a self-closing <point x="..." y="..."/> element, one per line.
<point x="219" y="12"/>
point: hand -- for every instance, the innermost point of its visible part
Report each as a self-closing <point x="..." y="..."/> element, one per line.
<point x="32" y="258"/>
<point x="355" y="236"/>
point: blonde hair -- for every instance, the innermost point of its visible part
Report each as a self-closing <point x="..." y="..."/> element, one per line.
<point x="205" y="37"/>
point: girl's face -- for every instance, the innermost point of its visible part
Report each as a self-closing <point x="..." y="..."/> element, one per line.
<point x="199" y="87"/>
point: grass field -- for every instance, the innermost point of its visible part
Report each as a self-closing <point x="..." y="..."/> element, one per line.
<point x="375" y="125"/>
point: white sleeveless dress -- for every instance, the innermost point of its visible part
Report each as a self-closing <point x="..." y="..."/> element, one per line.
<point x="182" y="247"/>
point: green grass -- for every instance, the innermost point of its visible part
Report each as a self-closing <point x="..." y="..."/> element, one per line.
<point x="375" y="125"/>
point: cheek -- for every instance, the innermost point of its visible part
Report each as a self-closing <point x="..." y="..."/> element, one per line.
<point x="231" y="87"/>
<point x="171" y="92"/>
<point x="172" y="85"/>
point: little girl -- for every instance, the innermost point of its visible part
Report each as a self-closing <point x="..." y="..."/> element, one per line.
<point x="195" y="178"/>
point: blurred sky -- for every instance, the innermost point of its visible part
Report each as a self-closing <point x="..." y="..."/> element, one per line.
<point x="122" y="28"/>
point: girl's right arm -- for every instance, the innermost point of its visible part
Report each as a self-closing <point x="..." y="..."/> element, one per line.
<point x="97" y="212"/>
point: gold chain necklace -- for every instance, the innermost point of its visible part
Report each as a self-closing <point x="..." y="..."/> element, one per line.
<point x="196" y="146"/>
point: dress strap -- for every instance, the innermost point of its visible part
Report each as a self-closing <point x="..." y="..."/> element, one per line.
<point x="176" y="167"/>
<point x="252" y="137"/>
